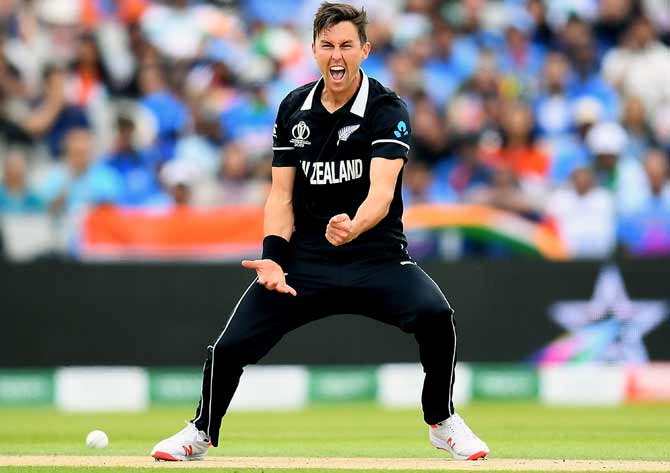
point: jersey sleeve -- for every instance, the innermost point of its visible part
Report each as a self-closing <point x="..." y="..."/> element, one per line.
<point x="391" y="130"/>
<point x="283" y="151"/>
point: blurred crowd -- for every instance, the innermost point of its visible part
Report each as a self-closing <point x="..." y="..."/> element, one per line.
<point x="558" y="111"/>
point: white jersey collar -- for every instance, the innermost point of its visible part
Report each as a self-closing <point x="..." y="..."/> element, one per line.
<point x="359" y="105"/>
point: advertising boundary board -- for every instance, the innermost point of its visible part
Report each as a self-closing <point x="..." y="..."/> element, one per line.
<point x="59" y="314"/>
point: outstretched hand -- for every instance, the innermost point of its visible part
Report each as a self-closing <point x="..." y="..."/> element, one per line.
<point x="270" y="275"/>
<point x="340" y="230"/>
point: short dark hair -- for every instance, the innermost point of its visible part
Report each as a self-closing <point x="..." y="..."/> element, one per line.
<point x="330" y="14"/>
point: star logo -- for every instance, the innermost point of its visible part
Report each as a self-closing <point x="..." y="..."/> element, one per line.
<point x="609" y="327"/>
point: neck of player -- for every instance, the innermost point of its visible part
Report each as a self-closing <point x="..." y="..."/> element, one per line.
<point x="333" y="100"/>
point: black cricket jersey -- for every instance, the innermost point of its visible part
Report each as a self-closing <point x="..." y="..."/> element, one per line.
<point x="332" y="153"/>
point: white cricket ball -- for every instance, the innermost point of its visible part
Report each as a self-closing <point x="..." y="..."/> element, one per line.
<point x="97" y="439"/>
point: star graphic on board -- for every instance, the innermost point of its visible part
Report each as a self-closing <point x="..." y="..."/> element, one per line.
<point x="609" y="327"/>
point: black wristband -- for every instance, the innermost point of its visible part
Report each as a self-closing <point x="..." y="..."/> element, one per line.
<point x="276" y="248"/>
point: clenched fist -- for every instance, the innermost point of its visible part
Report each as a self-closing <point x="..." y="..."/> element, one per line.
<point x="340" y="230"/>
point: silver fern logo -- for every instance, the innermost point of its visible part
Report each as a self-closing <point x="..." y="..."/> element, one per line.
<point x="346" y="132"/>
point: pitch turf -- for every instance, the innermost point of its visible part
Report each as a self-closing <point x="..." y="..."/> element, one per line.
<point x="512" y="430"/>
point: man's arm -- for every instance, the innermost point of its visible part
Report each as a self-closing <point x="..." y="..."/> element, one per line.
<point x="383" y="177"/>
<point x="278" y="218"/>
<point x="277" y="226"/>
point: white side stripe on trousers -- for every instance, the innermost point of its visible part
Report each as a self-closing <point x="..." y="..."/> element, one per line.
<point x="211" y="373"/>
<point x="453" y="356"/>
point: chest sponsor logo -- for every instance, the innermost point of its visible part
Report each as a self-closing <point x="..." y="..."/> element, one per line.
<point x="332" y="172"/>
<point x="300" y="134"/>
<point x="345" y="133"/>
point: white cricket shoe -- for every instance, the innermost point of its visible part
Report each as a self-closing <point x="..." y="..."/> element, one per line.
<point x="189" y="444"/>
<point x="454" y="436"/>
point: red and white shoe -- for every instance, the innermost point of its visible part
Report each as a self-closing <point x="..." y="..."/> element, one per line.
<point x="454" y="436"/>
<point x="189" y="444"/>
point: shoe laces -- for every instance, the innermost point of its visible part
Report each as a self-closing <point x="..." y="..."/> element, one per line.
<point x="457" y="424"/>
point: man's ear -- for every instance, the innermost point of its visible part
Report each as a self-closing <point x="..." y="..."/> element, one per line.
<point x="366" y="49"/>
<point x="313" y="49"/>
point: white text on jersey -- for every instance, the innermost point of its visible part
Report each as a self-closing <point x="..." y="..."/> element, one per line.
<point x="332" y="172"/>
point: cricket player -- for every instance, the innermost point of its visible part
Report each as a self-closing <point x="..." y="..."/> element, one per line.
<point x="334" y="241"/>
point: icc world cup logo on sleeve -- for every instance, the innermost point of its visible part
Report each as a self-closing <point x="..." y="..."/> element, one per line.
<point x="300" y="134"/>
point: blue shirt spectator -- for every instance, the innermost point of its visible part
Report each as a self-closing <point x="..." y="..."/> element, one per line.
<point x="79" y="182"/>
<point x="594" y="86"/>
<point x="15" y="196"/>
<point x="250" y="116"/>
<point x="453" y="62"/>
<point x="464" y="171"/>
<point x="645" y="229"/>
<point x="137" y="168"/>
<point x="172" y="116"/>
<point x="521" y="59"/>
<point x="53" y="117"/>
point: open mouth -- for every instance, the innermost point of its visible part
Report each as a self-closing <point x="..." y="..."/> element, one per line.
<point x="337" y="72"/>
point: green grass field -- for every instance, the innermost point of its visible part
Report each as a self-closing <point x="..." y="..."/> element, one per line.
<point x="512" y="430"/>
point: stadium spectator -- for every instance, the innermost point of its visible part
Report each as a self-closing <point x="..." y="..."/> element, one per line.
<point x="640" y="135"/>
<point x="54" y="115"/>
<point x="613" y="20"/>
<point x="174" y="28"/>
<point x="621" y="174"/>
<point x="170" y="113"/>
<point x="80" y="182"/>
<point x="88" y="75"/>
<point x="251" y="122"/>
<point x="465" y="170"/>
<point x="430" y="138"/>
<point x="179" y="178"/>
<point x="505" y="193"/>
<point x="553" y="107"/>
<point x="236" y="183"/>
<point x="520" y="59"/>
<point x="640" y="66"/>
<point x="587" y="82"/>
<point x="584" y="214"/>
<point x="527" y="83"/>
<point x="542" y="34"/>
<point x="476" y="107"/>
<point x="519" y="152"/>
<point x="137" y="167"/>
<point x="450" y="63"/>
<point x="420" y="187"/>
<point x="645" y="229"/>
<point x="569" y="149"/>
<point x="15" y="194"/>
<point x="201" y="147"/>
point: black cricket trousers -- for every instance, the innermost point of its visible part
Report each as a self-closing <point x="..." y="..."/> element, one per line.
<point x="391" y="289"/>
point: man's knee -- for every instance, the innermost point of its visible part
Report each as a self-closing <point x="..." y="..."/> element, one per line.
<point x="228" y="352"/>
<point x="236" y="353"/>
<point x="432" y="317"/>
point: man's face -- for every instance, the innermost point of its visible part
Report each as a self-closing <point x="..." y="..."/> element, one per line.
<point x="14" y="174"/>
<point x="338" y="52"/>
<point x="78" y="147"/>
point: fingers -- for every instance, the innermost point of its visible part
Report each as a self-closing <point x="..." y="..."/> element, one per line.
<point x="338" y="218"/>
<point x="277" y="286"/>
<point x="337" y="233"/>
<point x="286" y="289"/>
<point x="255" y="264"/>
<point x="345" y="225"/>
<point x="335" y="240"/>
